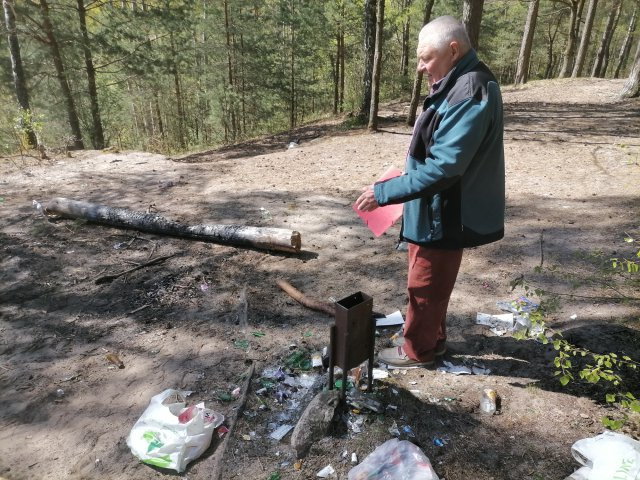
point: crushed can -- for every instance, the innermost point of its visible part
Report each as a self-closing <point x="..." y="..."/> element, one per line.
<point x="489" y="402"/>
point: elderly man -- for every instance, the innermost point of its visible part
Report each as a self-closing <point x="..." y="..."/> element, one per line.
<point x="452" y="188"/>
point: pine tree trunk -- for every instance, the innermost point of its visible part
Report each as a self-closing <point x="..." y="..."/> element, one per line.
<point x="551" y="56"/>
<point x="342" y="55"/>
<point x="586" y="39"/>
<point x="599" y="66"/>
<point x="607" y="53"/>
<point x="369" y="53"/>
<point x="292" y="67"/>
<point x="72" y="113"/>
<point x="570" y="49"/>
<point x="524" y="57"/>
<point x="404" y="59"/>
<point x="626" y="45"/>
<point x="231" y="108"/>
<point x="631" y="88"/>
<point x="19" y="78"/>
<point x="417" y="82"/>
<point x="179" y="100"/>
<point x="97" y="135"/>
<point x="472" y="19"/>
<point x="377" y="68"/>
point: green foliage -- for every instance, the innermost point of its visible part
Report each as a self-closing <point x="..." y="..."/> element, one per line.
<point x="594" y="368"/>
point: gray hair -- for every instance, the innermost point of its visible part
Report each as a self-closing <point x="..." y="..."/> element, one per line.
<point x="440" y="32"/>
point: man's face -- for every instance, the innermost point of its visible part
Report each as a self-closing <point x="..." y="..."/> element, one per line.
<point x="435" y="64"/>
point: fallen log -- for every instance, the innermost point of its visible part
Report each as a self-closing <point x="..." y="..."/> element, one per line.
<point x="279" y="239"/>
<point x="301" y="298"/>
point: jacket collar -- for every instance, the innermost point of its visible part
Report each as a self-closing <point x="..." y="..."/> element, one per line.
<point x="466" y="63"/>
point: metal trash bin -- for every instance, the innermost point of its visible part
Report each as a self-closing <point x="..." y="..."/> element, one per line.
<point x="352" y="337"/>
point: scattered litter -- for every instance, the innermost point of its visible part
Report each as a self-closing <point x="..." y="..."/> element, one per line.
<point x="345" y="453"/>
<point x="490" y="401"/>
<point x="475" y="369"/>
<point x="120" y="245"/>
<point x="59" y="393"/>
<point x="326" y="472"/>
<point x="170" y="435"/>
<point x="293" y="144"/>
<point x="354" y="458"/>
<point x="236" y="392"/>
<point x="280" y="432"/>
<point x="258" y="334"/>
<point x="609" y="455"/>
<point x="408" y="431"/>
<point x="390" y="320"/>
<point x="222" y="431"/>
<point x="363" y="402"/>
<point x="413" y="383"/>
<point x="392" y="407"/>
<point x="316" y="360"/>
<point x="246" y="437"/>
<point x="573" y="317"/>
<point x="355" y="423"/>
<point x="297" y="465"/>
<point x="394" y="391"/>
<point x="241" y="344"/>
<point x="204" y="287"/>
<point x="439" y="442"/>
<point x="113" y="358"/>
<point x="379" y="373"/>
<point x="500" y="324"/>
<point x="393" y="429"/>
<point x="395" y="459"/>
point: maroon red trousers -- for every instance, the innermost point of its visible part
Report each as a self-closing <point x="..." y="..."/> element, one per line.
<point x="432" y="275"/>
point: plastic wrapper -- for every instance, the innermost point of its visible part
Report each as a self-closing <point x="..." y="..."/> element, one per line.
<point x="608" y="456"/>
<point x="394" y="460"/>
<point x="170" y="435"/>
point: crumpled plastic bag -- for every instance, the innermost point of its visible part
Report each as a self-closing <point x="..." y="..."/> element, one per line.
<point x="608" y="456"/>
<point x="169" y="434"/>
<point x="394" y="460"/>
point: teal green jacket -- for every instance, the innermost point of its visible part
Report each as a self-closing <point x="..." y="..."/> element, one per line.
<point x="454" y="183"/>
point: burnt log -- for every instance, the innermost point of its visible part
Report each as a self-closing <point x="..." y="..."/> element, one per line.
<point x="279" y="239"/>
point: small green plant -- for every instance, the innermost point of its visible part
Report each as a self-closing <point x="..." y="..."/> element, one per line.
<point x="606" y="369"/>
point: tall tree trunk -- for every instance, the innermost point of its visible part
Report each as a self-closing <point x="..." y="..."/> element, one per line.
<point x="551" y="56"/>
<point x="19" y="78"/>
<point x="570" y="48"/>
<point x="231" y="106"/>
<point x="524" y="57"/>
<point x="158" y="114"/>
<point x="607" y="53"/>
<point x="404" y="59"/>
<point x="586" y="39"/>
<point x="377" y="68"/>
<point x="472" y="19"/>
<point x="626" y="45"/>
<point x="292" y="67"/>
<point x="369" y="53"/>
<point x="97" y="134"/>
<point x="417" y="82"/>
<point x="342" y="55"/>
<point x="179" y="99"/>
<point x="72" y="113"/>
<point x="599" y="67"/>
<point x="632" y="86"/>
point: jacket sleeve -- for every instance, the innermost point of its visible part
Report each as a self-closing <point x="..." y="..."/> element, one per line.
<point x="455" y="143"/>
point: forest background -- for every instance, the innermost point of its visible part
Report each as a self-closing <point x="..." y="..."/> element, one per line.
<point x="179" y="75"/>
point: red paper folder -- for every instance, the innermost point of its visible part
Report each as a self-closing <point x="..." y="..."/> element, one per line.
<point x="380" y="219"/>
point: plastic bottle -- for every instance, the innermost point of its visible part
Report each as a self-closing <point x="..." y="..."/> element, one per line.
<point x="489" y="401"/>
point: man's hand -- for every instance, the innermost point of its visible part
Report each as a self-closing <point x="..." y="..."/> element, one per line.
<point x="367" y="201"/>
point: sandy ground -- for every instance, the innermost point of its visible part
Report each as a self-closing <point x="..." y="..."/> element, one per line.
<point x="573" y="155"/>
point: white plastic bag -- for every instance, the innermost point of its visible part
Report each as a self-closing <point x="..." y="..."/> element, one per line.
<point x="168" y="435"/>
<point x="394" y="460"/>
<point x="608" y="456"/>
